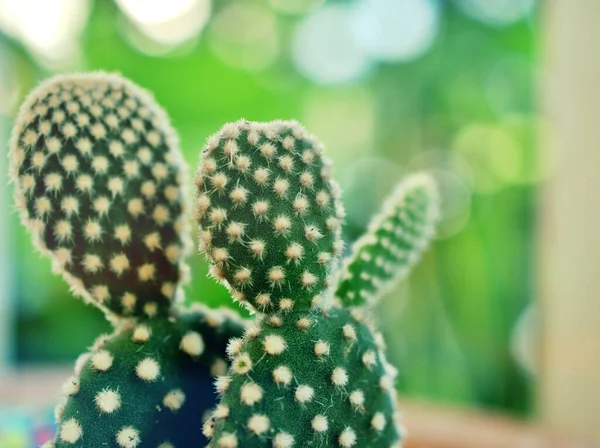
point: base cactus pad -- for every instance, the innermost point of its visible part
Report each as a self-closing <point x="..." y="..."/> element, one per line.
<point x="314" y="378"/>
<point x="148" y="385"/>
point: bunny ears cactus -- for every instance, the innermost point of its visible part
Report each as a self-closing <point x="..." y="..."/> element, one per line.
<point x="98" y="178"/>
<point x="307" y="372"/>
<point x="99" y="181"/>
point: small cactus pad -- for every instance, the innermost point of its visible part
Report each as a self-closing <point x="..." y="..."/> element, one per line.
<point x="98" y="177"/>
<point x="394" y="242"/>
<point x="269" y="214"/>
<point x="302" y="379"/>
<point x="147" y="385"/>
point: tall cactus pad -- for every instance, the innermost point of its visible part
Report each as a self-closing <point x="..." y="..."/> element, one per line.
<point x="269" y="214"/>
<point x="148" y="385"/>
<point x="98" y="176"/>
<point x="394" y="242"/>
<point x="315" y="378"/>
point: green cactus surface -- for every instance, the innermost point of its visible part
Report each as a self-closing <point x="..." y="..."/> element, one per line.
<point x="312" y="378"/>
<point x="98" y="178"/>
<point x="396" y="238"/>
<point x="307" y="372"/>
<point x="269" y="213"/>
<point x="146" y="384"/>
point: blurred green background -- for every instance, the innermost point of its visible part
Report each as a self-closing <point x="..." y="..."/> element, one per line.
<point x="390" y="86"/>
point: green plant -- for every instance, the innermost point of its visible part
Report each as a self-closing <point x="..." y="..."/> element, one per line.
<point x="310" y="371"/>
<point x="99" y="181"/>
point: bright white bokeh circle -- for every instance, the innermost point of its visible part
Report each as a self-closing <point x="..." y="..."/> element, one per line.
<point x="50" y="28"/>
<point x="396" y="30"/>
<point x="170" y="22"/>
<point x="152" y="11"/>
<point x="325" y="49"/>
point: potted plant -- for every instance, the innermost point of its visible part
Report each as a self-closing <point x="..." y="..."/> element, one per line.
<point x="100" y="183"/>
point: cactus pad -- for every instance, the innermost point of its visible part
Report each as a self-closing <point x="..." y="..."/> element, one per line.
<point x="98" y="176"/>
<point x="394" y="242"/>
<point x="316" y="378"/>
<point x="269" y="214"/>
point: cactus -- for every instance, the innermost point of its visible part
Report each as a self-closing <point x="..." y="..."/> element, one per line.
<point x="395" y="240"/>
<point x="99" y="181"/>
<point x="309" y="371"/>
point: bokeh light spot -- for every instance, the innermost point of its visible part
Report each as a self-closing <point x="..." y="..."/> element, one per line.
<point x="396" y="30"/>
<point x="50" y="28"/>
<point x="352" y="132"/>
<point x="525" y="340"/>
<point x="146" y="11"/>
<point x="244" y="35"/>
<point x="325" y="49"/>
<point x="497" y="12"/>
<point x="168" y="23"/>
<point x="500" y="154"/>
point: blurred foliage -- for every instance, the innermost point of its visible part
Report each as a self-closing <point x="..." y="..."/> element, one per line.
<point x="465" y="108"/>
